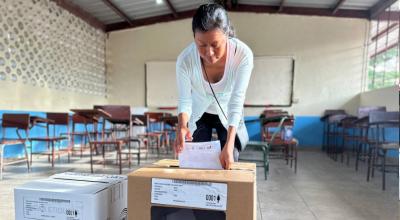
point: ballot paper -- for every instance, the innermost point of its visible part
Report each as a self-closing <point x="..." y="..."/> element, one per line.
<point x="201" y="155"/>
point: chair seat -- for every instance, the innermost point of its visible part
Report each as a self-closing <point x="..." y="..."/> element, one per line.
<point x="56" y="151"/>
<point x="151" y="134"/>
<point x="11" y="142"/>
<point x="283" y="142"/>
<point x="82" y="133"/>
<point x="47" y="139"/>
<point x="127" y="139"/>
<point x="257" y="143"/>
<point x="119" y="129"/>
<point x="260" y="146"/>
<point x="108" y="142"/>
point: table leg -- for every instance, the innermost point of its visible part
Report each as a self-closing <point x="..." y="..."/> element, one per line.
<point x="120" y="158"/>
<point x="91" y="157"/>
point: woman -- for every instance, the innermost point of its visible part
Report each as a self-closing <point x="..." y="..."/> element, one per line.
<point x="212" y="75"/>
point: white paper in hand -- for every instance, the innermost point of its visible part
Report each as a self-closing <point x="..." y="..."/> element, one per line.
<point x="201" y="155"/>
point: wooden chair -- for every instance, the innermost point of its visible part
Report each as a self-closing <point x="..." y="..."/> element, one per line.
<point x="273" y="124"/>
<point x="155" y="130"/>
<point x="333" y="133"/>
<point x="348" y="131"/>
<point x="364" y="141"/>
<point x="382" y="122"/>
<point x="54" y="120"/>
<point x="353" y="130"/>
<point x="17" y="122"/>
<point x="120" y="120"/>
<point x="139" y="122"/>
<point x="264" y="147"/>
<point x="82" y="135"/>
<point x="329" y="127"/>
<point x="171" y="123"/>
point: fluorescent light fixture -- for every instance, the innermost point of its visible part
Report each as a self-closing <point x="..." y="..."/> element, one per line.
<point x="159" y="2"/>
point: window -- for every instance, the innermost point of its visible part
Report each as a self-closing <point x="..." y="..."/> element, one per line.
<point x="383" y="49"/>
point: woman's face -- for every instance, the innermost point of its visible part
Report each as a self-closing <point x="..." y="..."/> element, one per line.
<point x="211" y="45"/>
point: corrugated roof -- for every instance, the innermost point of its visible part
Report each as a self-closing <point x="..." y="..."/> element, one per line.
<point x="99" y="10"/>
<point x="140" y="9"/>
<point x="359" y="4"/>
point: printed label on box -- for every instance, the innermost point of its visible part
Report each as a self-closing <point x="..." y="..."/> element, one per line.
<point x="50" y="208"/>
<point x="187" y="193"/>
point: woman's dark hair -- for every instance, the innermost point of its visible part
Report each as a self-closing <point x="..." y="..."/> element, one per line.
<point x="211" y="16"/>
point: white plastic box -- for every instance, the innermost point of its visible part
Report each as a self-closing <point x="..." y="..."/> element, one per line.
<point x="73" y="196"/>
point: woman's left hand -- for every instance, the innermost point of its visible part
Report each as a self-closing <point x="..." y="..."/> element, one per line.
<point x="226" y="156"/>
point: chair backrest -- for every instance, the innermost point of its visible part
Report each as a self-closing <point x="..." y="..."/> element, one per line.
<point x="78" y="119"/>
<point x="348" y="122"/>
<point x="337" y="118"/>
<point x="171" y="120"/>
<point x="58" y="118"/>
<point x="365" y="110"/>
<point x="275" y="134"/>
<point x="139" y="120"/>
<point x="11" y="120"/>
<point x="270" y="129"/>
<point x="156" y="116"/>
<point x="155" y="120"/>
<point x="386" y="119"/>
<point x="18" y="121"/>
<point x="272" y="113"/>
<point x="329" y="112"/>
<point x="120" y="114"/>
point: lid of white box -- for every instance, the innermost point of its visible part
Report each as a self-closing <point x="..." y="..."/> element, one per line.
<point x="101" y="178"/>
<point x="73" y="183"/>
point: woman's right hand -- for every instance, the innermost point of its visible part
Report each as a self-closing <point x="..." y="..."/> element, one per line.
<point x="182" y="133"/>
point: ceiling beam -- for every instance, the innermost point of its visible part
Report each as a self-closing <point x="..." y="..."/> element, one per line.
<point x="171" y="7"/>
<point x="118" y="11"/>
<point x="380" y="7"/>
<point x="281" y="6"/>
<point x="149" y="21"/>
<point x="337" y="6"/>
<point x="80" y="13"/>
<point x="302" y="11"/>
<point x="244" y="8"/>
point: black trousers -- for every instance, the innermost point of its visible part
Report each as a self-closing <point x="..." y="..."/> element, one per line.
<point x="203" y="132"/>
<point x="206" y="124"/>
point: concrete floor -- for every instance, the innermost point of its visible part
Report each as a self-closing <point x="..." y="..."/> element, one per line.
<point x="321" y="189"/>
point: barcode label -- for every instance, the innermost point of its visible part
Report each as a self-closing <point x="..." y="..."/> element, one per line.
<point x="189" y="182"/>
<point x="55" y="200"/>
<point x="189" y="193"/>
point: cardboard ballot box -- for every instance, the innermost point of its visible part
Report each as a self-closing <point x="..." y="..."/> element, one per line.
<point x="73" y="196"/>
<point x="166" y="192"/>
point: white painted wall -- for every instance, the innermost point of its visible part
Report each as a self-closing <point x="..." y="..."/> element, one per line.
<point x="45" y="49"/>
<point x="328" y="51"/>
<point x="388" y="97"/>
<point x="18" y="96"/>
